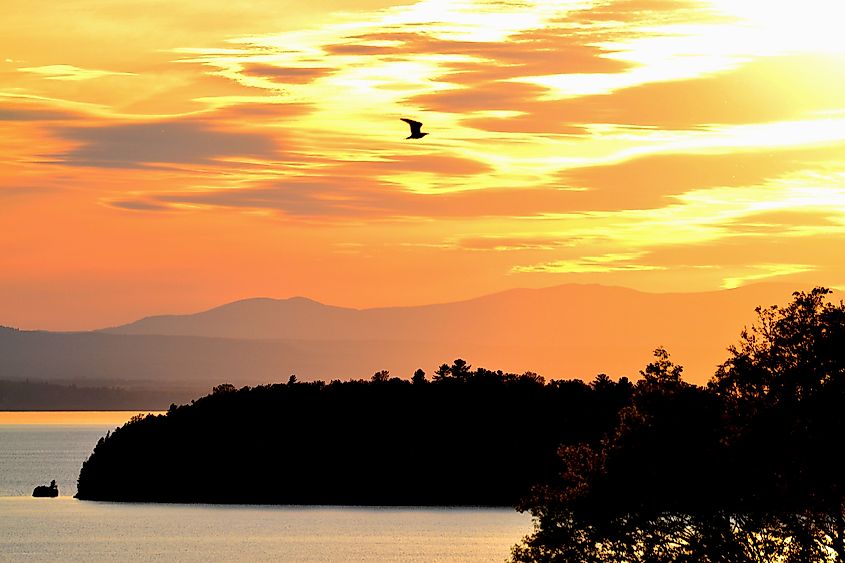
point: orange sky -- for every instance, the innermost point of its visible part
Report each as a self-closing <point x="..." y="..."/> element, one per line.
<point x="159" y="157"/>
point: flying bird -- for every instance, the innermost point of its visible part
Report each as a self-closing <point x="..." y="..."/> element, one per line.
<point x="415" y="128"/>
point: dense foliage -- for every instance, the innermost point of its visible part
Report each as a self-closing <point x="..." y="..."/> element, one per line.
<point x="467" y="437"/>
<point x="747" y="469"/>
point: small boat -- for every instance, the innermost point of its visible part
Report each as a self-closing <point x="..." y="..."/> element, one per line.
<point x="46" y="491"/>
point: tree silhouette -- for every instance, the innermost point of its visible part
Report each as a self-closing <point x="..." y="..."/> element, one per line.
<point x="601" y="382"/>
<point x="662" y="372"/>
<point x="381" y="376"/>
<point x="791" y="355"/>
<point x="223" y="388"/>
<point x="442" y="373"/>
<point x="460" y="369"/>
<point x="418" y="377"/>
<point x="742" y="470"/>
<point x="784" y="387"/>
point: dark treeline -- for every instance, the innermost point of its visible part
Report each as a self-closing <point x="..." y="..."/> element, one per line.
<point x="465" y="437"/>
<point x="749" y="468"/>
<point x="746" y="468"/>
<point x="44" y="396"/>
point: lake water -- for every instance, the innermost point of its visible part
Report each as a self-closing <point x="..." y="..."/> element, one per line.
<point x="69" y="530"/>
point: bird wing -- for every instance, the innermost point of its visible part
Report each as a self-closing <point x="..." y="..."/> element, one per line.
<point x="415" y="125"/>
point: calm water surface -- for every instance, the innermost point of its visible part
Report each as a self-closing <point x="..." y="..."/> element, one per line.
<point x="69" y="530"/>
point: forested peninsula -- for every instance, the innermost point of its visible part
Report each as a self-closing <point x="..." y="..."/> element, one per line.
<point x="746" y="468"/>
<point x="464" y="437"/>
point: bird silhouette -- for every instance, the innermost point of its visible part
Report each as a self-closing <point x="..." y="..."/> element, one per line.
<point x="415" y="128"/>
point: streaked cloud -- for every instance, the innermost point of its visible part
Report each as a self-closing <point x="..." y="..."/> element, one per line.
<point x="31" y="112"/>
<point x="512" y="243"/>
<point x="360" y="197"/>
<point x="285" y="75"/>
<point x="761" y="272"/>
<point x="137" y="205"/>
<point x="138" y="145"/>
<point x="70" y="72"/>
<point x="615" y="262"/>
<point x="764" y="90"/>
<point x="23" y="191"/>
<point x="790" y="222"/>
<point x="650" y="181"/>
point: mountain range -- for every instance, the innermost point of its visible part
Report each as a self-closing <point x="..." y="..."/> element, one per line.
<point x="568" y="331"/>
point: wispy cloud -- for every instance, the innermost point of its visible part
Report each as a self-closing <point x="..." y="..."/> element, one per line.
<point x="758" y="272"/>
<point x="24" y="191"/>
<point x="614" y="262"/>
<point x="138" y="145"/>
<point x="513" y="243"/>
<point x="138" y="205"/>
<point x="31" y="112"/>
<point x="70" y="72"/>
<point x="354" y="197"/>
<point x="285" y="75"/>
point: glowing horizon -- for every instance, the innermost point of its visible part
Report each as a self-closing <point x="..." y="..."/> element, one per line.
<point x="169" y="160"/>
<point x="64" y="418"/>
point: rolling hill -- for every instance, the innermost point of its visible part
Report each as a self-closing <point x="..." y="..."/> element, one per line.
<point x="569" y="331"/>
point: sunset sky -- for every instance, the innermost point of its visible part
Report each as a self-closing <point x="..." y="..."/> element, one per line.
<point x="162" y="157"/>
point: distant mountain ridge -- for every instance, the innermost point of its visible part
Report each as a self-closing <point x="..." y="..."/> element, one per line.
<point x="490" y="317"/>
<point x="568" y="331"/>
<point x="254" y="318"/>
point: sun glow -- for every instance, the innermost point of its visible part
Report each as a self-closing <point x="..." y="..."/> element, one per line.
<point x="812" y="26"/>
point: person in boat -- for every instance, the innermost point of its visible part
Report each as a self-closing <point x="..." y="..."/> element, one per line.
<point x="45" y="491"/>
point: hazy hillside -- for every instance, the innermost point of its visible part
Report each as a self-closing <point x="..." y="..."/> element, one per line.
<point x="562" y="332"/>
<point x="25" y="396"/>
